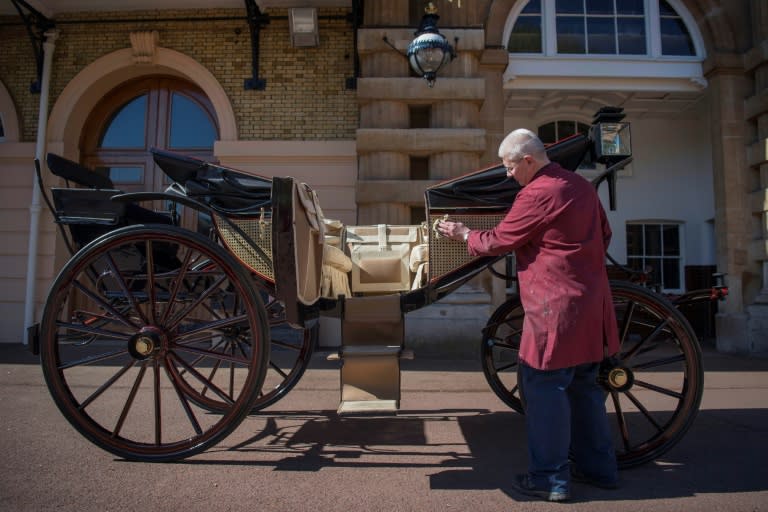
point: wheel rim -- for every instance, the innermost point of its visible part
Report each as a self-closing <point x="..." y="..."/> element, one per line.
<point x="133" y="325"/>
<point x="290" y="353"/>
<point x="653" y="386"/>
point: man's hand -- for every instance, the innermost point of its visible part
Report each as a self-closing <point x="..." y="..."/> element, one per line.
<point x="452" y="230"/>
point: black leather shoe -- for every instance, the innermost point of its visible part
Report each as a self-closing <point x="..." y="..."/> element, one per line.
<point x="523" y="485"/>
<point x="578" y="476"/>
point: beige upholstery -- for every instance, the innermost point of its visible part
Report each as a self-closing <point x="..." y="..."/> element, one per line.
<point x="380" y="256"/>
<point x="336" y="266"/>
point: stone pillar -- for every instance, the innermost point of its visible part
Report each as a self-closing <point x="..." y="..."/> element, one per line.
<point x="756" y="115"/>
<point x="727" y="88"/>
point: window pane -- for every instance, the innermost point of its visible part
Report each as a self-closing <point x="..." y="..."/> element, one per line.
<point x="2" y="130"/>
<point x="635" y="264"/>
<point x="653" y="240"/>
<point x="190" y="125"/>
<point x="126" y="129"/>
<point x="630" y="7"/>
<point x="653" y="267"/>
<point x="665" y="9"/>
<point x="602" y="38"/>
<point x="671" y="268"/>
<point x="533" y="7"/>
<point x="599" y="6"/>
<point x="674" y="38"/>
<point x="123" y="175"/>
<point x="570" y="35"/>
<point x="526" y="36"/>
<point x="547" y="133"/>
<point x="631" y="36"/>
<point x="634" y="239"/>
<point x="569" y="7"/>
<point x="565" y="129"/>
<point x="671" y="237"/>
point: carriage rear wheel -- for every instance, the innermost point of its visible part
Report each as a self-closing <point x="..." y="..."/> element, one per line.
<point x="141" y="328"/>
<point x="654" y="386"/>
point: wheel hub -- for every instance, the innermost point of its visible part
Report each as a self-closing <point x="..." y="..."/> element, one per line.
<point x="146" y="343"/>
<point x="620" y="378"/>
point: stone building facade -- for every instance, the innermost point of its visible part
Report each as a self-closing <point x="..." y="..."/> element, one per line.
<point x="372" y="149"/>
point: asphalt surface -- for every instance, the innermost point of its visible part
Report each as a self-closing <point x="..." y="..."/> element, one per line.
<point x="453" y="446"/>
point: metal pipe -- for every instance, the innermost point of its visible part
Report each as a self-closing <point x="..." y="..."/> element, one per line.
<point x="34" y="209"/>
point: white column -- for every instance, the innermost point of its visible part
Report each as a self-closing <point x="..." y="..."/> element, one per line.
<point x="34" y="209"/>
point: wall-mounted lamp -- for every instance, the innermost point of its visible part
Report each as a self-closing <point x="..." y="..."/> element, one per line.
<point x="430" y="50"/>
<point x="303" y="26"/>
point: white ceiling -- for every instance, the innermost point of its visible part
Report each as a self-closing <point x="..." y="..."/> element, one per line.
<point x="50" y="8"/>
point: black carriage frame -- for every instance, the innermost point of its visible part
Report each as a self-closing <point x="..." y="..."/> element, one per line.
<point x="209" y="324"/>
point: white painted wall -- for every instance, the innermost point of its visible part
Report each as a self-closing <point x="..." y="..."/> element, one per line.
<point x="671" y="179"/>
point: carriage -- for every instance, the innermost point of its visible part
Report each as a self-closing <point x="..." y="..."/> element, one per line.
<point x="186" y="331"/>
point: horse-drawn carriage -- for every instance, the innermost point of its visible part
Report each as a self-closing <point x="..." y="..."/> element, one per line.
<point x="185" y="334"/>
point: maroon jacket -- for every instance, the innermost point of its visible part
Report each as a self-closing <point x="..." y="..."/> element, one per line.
<point x="559" y="232"/>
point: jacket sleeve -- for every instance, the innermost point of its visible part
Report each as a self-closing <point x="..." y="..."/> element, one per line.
<point x="521" y="223"/>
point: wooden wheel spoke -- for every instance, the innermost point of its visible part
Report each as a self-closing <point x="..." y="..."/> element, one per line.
<point x="118" y="315"/>
<point x="129" y="400"/>
<point x="175" y="321"/>
<point x="645" y="412"/>
<point x="651" y="336"/>
<point x="201" y="378"/>
<point x="505" y="367"/>
<point x="183" y="400"/>
<point x="180" y="278"/>
<point x="623" y="427"/>
<point x="680" y="358"/>
<point x="659" y="389"/>
<point x="93" y="359"/>
<point x="106" y="385"/>
<point x="118" y="276"/>
<point x="277" y="369"/>
<point x="285" y="344"/>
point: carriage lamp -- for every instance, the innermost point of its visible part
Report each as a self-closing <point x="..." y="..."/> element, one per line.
<point x="430" y="50"/>
<point x="613" y="141"/>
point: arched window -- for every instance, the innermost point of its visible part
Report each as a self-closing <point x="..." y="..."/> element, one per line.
<point x="601" y="27"/>
<point x="160" y="112"/>
<point x="562" y="128"/>
<point x="615" y="45"/>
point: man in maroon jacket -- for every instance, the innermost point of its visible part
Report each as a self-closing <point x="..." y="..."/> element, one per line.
<point x="559" y="233"/>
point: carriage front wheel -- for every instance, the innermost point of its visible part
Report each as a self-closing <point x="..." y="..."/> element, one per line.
<point x="653" y="386"/>
<point x="141" y="328"/>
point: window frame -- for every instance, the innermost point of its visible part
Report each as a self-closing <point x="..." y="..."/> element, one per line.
<point x="661" y="257"/>
<point x="606" y="72"/>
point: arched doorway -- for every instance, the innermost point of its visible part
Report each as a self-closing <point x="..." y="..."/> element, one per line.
<point x="151" y="112"/>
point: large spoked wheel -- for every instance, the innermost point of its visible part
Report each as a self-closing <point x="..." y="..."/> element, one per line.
<point x="142" y="329"/>
<point x="290" y="352"/>
<point x="654" y="384"/>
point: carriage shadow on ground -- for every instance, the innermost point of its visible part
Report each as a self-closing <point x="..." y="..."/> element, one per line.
<point x="724" y="452"/>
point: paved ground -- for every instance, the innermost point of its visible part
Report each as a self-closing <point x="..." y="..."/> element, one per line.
<point x="454" y="446"/>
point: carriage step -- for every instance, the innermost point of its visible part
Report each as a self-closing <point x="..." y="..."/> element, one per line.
<point x="406" y="353"/>
<point x="350" y="407"/>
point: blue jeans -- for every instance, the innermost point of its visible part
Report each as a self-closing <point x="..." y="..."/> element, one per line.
<point x="565" y="414"/>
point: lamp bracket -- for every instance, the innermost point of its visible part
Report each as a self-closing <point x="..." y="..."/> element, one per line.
<point x="256" y="21"/>
<point x="37" y="25"/>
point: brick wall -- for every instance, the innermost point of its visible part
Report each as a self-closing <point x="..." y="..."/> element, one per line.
<point x="305" y="97"/>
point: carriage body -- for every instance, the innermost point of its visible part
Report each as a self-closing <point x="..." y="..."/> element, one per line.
<point x="225" y="322"/>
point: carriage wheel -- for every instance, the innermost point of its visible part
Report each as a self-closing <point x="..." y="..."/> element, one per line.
<point x="290" y="352"/>
<point x="654" y="386"/>
<point x="134" y="322"/>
